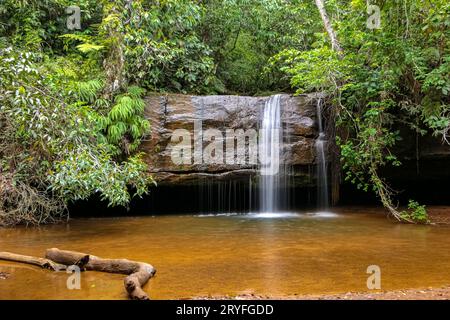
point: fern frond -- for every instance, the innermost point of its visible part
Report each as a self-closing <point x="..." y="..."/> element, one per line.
<point x="136" y="92"/>
<point x="138" y="106"/>
<point x="127" y="118"/>
<point x="89" y="47"/>
<point x="102" y="103"/>
<point x="76" y="37"/>
<point x="88" y="91"/>
<point x="116" y="132"/>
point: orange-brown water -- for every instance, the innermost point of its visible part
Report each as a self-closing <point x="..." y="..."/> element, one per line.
<point x="222" y="255"/>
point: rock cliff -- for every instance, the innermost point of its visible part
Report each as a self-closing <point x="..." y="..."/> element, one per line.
<point x="171" y="112"/>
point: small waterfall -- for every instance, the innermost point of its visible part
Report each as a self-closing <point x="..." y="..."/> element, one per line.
<point x="270" y="147"/>
<point x="322" y="176"/>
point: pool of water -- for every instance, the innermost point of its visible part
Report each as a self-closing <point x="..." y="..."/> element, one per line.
<point x="293" y="253"/>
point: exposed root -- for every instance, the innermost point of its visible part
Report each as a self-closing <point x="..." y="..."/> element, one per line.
<point x="384" y="193"/>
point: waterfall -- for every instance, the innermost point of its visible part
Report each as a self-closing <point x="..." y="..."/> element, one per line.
<point x="271" y="138"/>
<point x="322" y="177"/>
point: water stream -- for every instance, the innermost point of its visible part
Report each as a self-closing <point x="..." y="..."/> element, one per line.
<point x="230" y="254"/>
<point x="270" y="145"/>
<point x="233" y="254"/>
<point x="322" y="174"/>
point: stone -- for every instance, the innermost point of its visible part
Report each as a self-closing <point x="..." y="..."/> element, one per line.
<point x="174" y="111"/>
<point x="4" y="275"/>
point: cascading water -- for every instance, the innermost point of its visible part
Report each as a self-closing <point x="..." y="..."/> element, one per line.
<point x="270" y="142"/>
<point x="276" y="179"/>
<point x="322" y="177"/>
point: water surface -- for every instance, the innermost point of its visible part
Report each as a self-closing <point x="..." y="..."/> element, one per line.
<point x="231" y="254"/>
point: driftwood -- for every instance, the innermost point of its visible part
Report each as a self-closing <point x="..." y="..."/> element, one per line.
<point x="138" y="273"/>
<point x="40" y="262"/>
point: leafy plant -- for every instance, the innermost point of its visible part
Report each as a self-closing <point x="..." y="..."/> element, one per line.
<point x="162" y="50"/>
<point x="124" y="126"/>
<point x="51" y="147"/>
<point x="84" y="172"/>
<point x="68" y="93"/>
<point x="416" y="213"/>
<point x="381" y="80"/>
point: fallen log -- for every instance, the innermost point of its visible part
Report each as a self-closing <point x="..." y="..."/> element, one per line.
<point x="138" y="273"/>
<point x="40" y="262"/>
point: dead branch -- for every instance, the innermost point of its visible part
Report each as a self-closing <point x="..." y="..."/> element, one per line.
<point x="40" y="262"/>
<point x="138" y="273"/>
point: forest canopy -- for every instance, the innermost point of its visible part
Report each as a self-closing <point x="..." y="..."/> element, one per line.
<point x="71" y="99"/>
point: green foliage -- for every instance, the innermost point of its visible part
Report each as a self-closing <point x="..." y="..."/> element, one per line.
<point x="84" y="172"/>
<point x="211" y="46"/>
<point x="87" y="45"/>
<point x="52" y="150"/>
<point x="88" y="91"/>
<point x="244" y="34"/>
<point x="163" y="50"/>
<point x="37" y="24"/>
<point x="313" y="70"/>
<point x="383" y="79"/>
<point x="125" y="125"/>
<point x="416" y="213"/>
<point x="71" y="102"/>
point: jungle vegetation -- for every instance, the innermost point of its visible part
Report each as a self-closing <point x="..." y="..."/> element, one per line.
<point x="71" y="101"/>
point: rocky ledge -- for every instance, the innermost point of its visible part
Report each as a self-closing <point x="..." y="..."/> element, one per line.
<point x="174" y="112"/>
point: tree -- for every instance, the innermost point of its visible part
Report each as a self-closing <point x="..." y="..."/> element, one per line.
<point x="387" y="78"/>
<point x="328" y="27"/>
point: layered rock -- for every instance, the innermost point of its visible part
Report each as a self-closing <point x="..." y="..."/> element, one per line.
<point x="172" y="112"/>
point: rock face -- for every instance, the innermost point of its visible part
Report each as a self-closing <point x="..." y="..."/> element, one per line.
<point x="171" y="113"/>
<point x="424" y="159"/>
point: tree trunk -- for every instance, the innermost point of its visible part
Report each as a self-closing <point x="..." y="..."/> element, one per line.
<point x="138" y="272"/>
<point x="40" y="262"/>
<point x="114" y="60"/>
<point x="328" y="27"/>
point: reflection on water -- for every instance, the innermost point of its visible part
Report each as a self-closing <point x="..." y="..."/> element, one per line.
<point x="273" y="215"/>
<point x="283" y="215"/>
<point x="231" y="254"/>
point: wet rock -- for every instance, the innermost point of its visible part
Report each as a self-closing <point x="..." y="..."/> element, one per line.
<point x="172" y="112"/>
